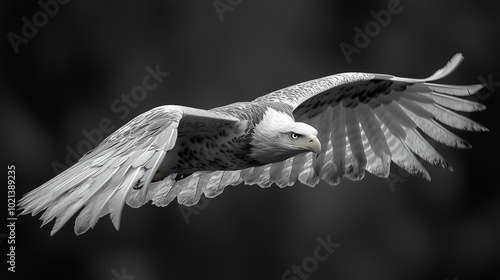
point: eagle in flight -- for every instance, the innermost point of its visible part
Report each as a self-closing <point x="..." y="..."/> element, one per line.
<point x="324" y="129"/>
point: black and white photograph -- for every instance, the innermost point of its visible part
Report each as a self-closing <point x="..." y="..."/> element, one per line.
<point x="238" y="139"/>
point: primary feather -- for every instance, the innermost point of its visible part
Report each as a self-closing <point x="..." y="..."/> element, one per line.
<point x="363" y="122"/>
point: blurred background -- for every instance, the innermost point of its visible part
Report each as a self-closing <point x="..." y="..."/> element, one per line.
<point x="78" y="70"/>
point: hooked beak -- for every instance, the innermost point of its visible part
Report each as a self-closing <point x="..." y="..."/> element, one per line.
<point x="314" y="145"/>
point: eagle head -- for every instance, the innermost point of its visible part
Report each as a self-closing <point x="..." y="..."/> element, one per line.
<point x="278" y="137"/>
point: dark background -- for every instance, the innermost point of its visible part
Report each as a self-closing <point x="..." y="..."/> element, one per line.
<point x="64" y="80"/>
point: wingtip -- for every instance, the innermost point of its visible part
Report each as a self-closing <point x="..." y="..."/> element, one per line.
<point x="115" y="219"/>
<point x="425" y="174"/>
<point x="465" y="145"/>
<point x="80" y="229"/>
<point x="458" y="56"/>
<point x="473" y="89"/>
<point x="446" y="165"/>
<point x="22" y="211"/>
<point x="455" y="60"/>
<point x="453" y="64"/>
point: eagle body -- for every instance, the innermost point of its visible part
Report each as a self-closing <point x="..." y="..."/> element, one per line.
<point x="327" y="129"/>
<point x="220" y="147"/>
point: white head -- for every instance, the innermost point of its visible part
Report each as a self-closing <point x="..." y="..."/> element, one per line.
<point x="278" y="137"/>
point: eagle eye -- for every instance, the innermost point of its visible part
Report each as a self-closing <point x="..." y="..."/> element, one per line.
<point x="294" y="136"/>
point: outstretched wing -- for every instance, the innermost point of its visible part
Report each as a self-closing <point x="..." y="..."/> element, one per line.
<point x="101" y="181"/>
<point x="364" y="122"/>
<point x="367" y="120"/>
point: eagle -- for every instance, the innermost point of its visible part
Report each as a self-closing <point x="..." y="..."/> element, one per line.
<point x="325" y="129"/>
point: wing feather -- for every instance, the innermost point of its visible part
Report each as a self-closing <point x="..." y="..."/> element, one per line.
<point x="456" y="103"/>
<point x="191" y="193"/>
<point x="213" y="187"/>
<point x="214" y="183"/>
<point x="377" y="165"/>
<point x="41" y="200"/>
<point x="398" y="114"/>
<point x="329" y="170"/>
<point x="325" y="138"/>
<point x="169" y="191"/>
<point x="117" y="201"/>
<point x="246" y="174"/>
<point x="308" y="176"/>
<point x="371" y="127"/>
<point x="355" y="144"/>
<point x="453" y="119"/>
<point x="143" y="195"/>
<point x="424" y="149"/>
<point x="297" y="167"/>
<point x="338" y="138"/>
<point x="260" y="175"/>
<point x="85" y="220"/>
<point x="390" y="121"/>
<point x="416" y="108"/>
<point x="284" y="179"/>
<point x="230" y="178"/>
<point x="454" y="89"/>
<point x="277" y="172"/>
<point x="438" y="132"/>
<point x="402" y="155"/>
